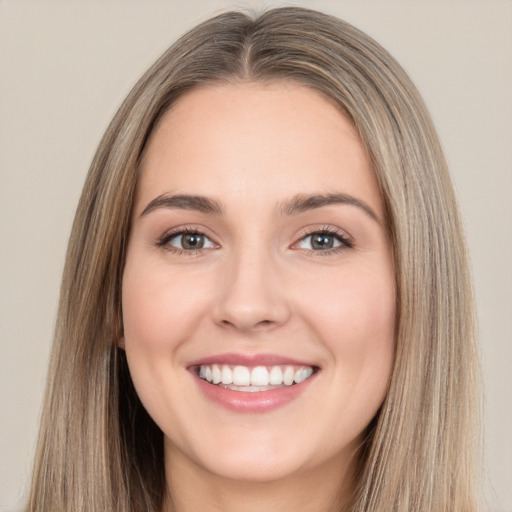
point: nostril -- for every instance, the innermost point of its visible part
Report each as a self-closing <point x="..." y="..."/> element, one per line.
<point x="264" y="323"/>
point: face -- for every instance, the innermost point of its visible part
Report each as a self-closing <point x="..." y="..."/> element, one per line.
<point x="258" y="292"/>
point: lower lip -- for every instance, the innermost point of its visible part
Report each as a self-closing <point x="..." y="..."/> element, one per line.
<point x="256" y="402"/>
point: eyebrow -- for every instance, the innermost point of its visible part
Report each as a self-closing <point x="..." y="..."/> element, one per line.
<point x="294" y="206"/>
<point x="184" y="202"/>
<point x="304" y="202"/>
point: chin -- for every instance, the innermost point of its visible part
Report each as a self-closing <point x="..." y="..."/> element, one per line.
<point x="261" y="455"/>
<point x="255" y="468"/>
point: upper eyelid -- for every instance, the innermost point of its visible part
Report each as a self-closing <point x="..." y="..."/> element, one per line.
<point x="346" y="240"/>
<point x="331" y="230"/>
<point x="168" y="235"/>
<point x="180" y="230"/>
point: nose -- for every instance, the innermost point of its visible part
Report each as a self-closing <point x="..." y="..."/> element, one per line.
<point x="251" y="296"/>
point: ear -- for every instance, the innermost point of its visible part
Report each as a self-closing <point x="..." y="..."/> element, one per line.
<point x="120" y="342"/>
<point x="118" y="327"/>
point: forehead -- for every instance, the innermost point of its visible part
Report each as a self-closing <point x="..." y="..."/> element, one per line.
<point x="256" y="138"/>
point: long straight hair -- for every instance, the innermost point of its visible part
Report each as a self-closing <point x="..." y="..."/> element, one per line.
<point x="99" y="450"/>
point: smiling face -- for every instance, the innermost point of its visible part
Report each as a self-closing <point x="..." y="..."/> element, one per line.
<point x="258" y="292"/>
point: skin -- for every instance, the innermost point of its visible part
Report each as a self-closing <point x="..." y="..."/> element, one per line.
<point x="259" y="286"/>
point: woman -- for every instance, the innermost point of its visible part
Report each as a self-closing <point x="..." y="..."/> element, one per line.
<point x="266" y="299"/>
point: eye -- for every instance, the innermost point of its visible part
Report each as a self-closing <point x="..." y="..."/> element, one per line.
<point x="325" y="240"/>
<point x="186" y="241"/>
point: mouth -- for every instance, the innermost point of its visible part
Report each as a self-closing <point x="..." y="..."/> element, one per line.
<point x="252" y="383"/>
<point x="252" y="379"/>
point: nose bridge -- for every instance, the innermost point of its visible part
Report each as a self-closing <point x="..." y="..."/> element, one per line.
<point x="251" y="293"/>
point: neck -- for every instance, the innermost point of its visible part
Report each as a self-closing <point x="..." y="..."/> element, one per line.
<point x="192" y="488"/>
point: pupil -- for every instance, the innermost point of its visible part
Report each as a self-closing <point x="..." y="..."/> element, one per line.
<point x="322" y="242"/>
<point x="193" y="241"/>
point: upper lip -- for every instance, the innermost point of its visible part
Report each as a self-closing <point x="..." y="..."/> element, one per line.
<point x="249" y="360"/>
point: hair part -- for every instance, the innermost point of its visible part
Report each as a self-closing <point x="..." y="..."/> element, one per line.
<point x="98" y="448"/>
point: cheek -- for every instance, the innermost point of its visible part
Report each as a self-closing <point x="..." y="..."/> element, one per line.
<point x="159" y="315"/>
<point x="356" y="306"/>
<point x="160" y="308"/>
<point x="355" y="320"/>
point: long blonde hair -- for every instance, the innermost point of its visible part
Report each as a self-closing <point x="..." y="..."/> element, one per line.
<point x="99" y="450"/>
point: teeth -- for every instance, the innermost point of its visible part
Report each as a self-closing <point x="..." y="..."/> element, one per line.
<point x="302" y="374"/>
<point x="227" y="375"/>
<point x="255" y="379"/>
<point x="288" y="376"/>
<point x="259" y="376"/>
<point x="276" y="376"/>
<point x="216" y="375"/>
<point x="241" y="376"/>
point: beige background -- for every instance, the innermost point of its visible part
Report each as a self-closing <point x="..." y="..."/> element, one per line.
<point x="65" y="67"/>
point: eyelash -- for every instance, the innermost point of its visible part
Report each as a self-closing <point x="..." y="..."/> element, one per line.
<point x="164" y="240"/>
<point x="345" y="241"/>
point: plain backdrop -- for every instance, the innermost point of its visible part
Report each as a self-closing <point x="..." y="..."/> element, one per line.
<point x="66" y="66"/>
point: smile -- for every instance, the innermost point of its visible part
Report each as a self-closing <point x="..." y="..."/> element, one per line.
<point x="258" y="378"/>
<point x="252" y="383"/>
